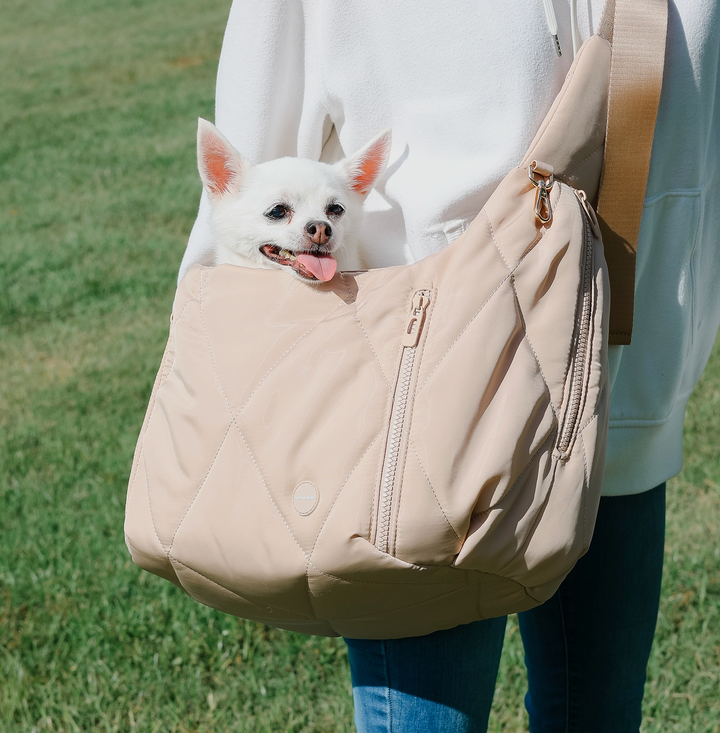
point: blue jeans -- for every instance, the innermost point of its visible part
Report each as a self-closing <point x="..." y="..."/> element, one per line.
<point x="586" y="649"/>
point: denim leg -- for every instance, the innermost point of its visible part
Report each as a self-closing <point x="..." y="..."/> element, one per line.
<point x="439" y="683"/>
<point x="587" y="648"/>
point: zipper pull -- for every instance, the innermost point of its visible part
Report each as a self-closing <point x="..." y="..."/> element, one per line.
<point x="416" y="319"/>
<point x="594" y="225"/>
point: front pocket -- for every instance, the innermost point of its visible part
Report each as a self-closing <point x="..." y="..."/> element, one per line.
<point x="414" y="331"/>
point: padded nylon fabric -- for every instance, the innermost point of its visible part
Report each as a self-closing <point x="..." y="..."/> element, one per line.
<point x="400" y="450"/>
<point x="275" y="397"/>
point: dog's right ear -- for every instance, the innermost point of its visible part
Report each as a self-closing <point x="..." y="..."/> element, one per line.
<point x="221" y="167"/>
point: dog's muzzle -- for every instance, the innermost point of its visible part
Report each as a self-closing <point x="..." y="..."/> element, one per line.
<point x="313" y="265"/>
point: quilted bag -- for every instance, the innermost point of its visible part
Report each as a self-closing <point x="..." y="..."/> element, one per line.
<point x="410" y="448"/>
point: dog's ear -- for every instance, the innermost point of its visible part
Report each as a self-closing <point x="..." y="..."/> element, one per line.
<point x="221" y="167"/>
<point x="365" y="167"/>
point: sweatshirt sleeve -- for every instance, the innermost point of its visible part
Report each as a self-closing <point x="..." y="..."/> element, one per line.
<point x="268" y="99"/>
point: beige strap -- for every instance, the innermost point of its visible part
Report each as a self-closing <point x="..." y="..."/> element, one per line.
<point x="638" y="36"/>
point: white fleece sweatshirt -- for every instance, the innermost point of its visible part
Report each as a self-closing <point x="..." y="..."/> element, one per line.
<point x="464" y="86"/>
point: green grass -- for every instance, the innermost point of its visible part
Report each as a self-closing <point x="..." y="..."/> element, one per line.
<point x="98" y="191"/>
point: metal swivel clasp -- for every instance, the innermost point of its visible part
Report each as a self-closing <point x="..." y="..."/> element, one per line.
<point x="542" y="178"/>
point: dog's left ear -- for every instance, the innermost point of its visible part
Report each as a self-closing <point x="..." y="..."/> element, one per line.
<point x="365" y="167"/>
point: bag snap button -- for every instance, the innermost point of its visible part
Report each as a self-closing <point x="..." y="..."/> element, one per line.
<point x="305" y="498"/>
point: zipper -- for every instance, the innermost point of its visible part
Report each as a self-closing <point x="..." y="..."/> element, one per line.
<point x="582" y="345"/>
<point x="390" y="476"/>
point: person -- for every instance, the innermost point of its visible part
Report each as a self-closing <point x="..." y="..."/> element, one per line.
<point x="464" y="87"/>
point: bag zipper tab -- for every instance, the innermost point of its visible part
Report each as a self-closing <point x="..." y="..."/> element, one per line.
<point x="416" y="319"/>
<point x="592" y="216"/>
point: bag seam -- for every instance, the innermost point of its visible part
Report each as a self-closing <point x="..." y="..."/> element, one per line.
<point x="200" y="487"/>
<point x="537" y="450"/>
<point x="140" y="445"/>
<point x="589" y="420"/>
<point x="585" y="488"/>
<point x="187" y="303"/>
<point x="166" y="551"/>
<point x="234" y="415"/>
<point x="337" y="495"/>
<point x="495" y="242"/>
<point x="267" y="491"/>
<point x="270" y="369"/>
<point x="457" y="338"/>
<point x="422" y="468"/>
<point x="237" y="595"/>
<point x="372" y="348"/>
<point x="565" y="174"/>
<point x="532" y="349"/>
<point x="159" y="381"/>
<point x="511" y="271"/>
<point x="531" y="532"/>
<point x="413" y="566"/>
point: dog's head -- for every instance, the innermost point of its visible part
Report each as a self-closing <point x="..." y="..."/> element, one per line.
<point x="288" y="213"/>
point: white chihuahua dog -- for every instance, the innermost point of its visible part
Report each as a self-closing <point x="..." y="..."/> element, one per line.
<point x="289" y="213"/>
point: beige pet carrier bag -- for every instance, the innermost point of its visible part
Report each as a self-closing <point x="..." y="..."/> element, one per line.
<point x="411" y="448"/>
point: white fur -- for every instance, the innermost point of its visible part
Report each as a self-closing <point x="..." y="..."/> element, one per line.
<point x="240" y="203"/>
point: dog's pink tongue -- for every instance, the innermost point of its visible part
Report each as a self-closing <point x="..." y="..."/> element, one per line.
<point x="323" y="266"/>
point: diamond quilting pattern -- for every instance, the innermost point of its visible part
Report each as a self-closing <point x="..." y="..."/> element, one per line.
<point x="472" y="474"/>
<point x="309" y="387"/>
<point x="183" y="417"/>
<point x="308" y="448"/>
<point x="233" y="338"/>
<point x="227" y="534"/>
<point x="299" y="389"/>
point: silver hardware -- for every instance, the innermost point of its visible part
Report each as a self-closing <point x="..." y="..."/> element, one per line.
<point x="552" y="24"/>
<point x="543" y="185"/>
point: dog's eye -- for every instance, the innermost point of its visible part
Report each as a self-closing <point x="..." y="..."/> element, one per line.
<point x="335" y="210"/>
<point x="277" y="212"/>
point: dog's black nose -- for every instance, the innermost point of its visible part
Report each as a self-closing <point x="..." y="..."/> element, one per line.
<point x="319" y="231"/>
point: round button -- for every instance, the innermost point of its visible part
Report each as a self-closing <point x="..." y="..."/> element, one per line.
<point x="305" y="498"/>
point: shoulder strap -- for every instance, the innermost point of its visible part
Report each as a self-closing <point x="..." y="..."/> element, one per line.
<point x="637" y="31"/>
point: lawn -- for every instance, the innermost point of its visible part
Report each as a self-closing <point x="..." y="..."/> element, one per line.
<point x="98" y="192"/>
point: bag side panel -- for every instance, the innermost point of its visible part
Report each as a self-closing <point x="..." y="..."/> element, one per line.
<point x="141" y="537"/>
